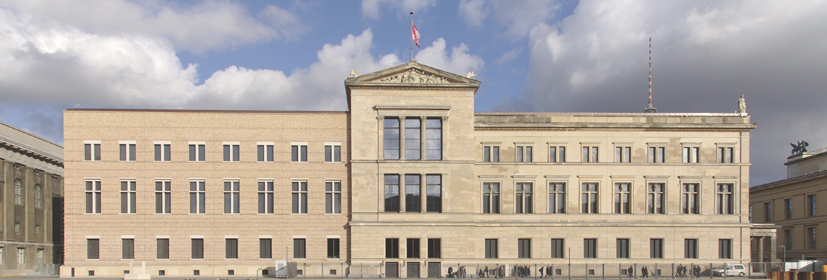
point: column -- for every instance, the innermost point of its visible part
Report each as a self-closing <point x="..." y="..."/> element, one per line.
<point x="773" y="249"/>
<point x="760" y="241"/>
<point x="401" y="137"/>
<point x="423" y="191"/>
<point x="422" y="148"/>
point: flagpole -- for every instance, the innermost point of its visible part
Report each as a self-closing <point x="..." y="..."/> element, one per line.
<point x="412" y="36"/>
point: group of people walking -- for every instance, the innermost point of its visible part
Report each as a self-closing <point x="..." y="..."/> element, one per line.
<point x="684" y="271"/>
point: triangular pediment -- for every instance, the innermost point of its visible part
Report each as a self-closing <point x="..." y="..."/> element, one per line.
<point x="411" y="73"/>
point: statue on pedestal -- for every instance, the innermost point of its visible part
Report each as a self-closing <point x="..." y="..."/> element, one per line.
<point x="742" y="105"/>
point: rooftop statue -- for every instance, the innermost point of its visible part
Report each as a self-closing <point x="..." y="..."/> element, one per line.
<point x="742" y="105"/>
<point x="353" y="73"/>
<point x="471" y="75"/>
<point x="800" y="148"/>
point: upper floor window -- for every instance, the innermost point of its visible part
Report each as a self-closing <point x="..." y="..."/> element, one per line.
<point x="128" y="197"/>
<point x="556" y="198"/>
<point x="691" y="154"/>
<point x="811" y="238"/>
<point x="433" y="192"/>
<point x="413" y="202"/>
<point x="231" y="151"/>
<point x="92" y="150"/>
<point x="655" y="198"/>
<point x="590" y="154"/>
<point x="724" y="199"/>
<point x="689" y="198"/>
<point x="491" y="153"/>
<point x="491" y="198"/>
<point x="163" y="197"/>
<point x="623" y="198"/>
<point x="333" y="152"/>
<point x="589" y="198"/>
<point x="524" y="199"/>
<point x="557" y="154"/>
<point x="657" y="154"/>
<point x="524" y="154"/>
<point x="298" y="152"/>
<point x="38" y="196"/>
<point x="198" y="196"/>
<point x="127" y="150"/>
<point x="413" y="139"/>
<point x="264" y="151"/>
<point x="333" y="197"/>
<point x="433" y="138"/>
<point x="265" y="197"/>
<point x="391" y="141"/>
<point x="811" y="205"/>
<point x="232" y="197"/>
<point x="391" y="192"/>
<point x="18" y="192"/>
<point x="623" y="154"/>
<point x="162" y="151"/>
<point x="300" y="197"/>
<point x="93" y="197"/>
<point x="788" y="208"/>
<point x="198" y="151"/>
<point x="726" y="154"/>
<point x="768" y="211"/>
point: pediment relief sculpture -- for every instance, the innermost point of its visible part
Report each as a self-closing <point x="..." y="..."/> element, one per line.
<point x="413" y="76"/>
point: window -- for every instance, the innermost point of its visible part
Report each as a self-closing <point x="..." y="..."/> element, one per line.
<point x="231" y="248"/>
<point x="93" y="197"/>
<point x="298" y="153"/>
<point x="788" y="208"/>
<point x="655" y="198"/>
<point x="491" y="249"/>
<point x="657" y="154"/>
<point x="162" y="251"/>
<point x="690" y="248"/>
<point x="434" y="193"/>
<point x="391" y="192"/>
<point x="92" y="151"/>
<point x="622" y="248"/>
<point x="524" y="248"/>
<point x="750" y="214"/>
<point x="163" y="197"/>
<point x="413" y="248"/>
<point x="18" y="194"/>
<point x="231" y="152"/>
<point x="197" y="152"/>
<point x="21" y="255"/>
<point x="333" y="153"/>
<point x="265" y="248"/>
<point x="622" y="198"/>
<point x="1" y="255"/>
<point x="811" y="205"/>
<point x="524" y="198"/>
<point x="391" y="141"/>
<point x="197" y="248"/>
<point x="691" y="154"/>
<point x="726" y="154"/>
<point x="162" y="151"/>
<point x="524" y="154"/>
<point x="768" y="211"/>
<point x="557" y="248"/>
<point x="589" y="198"/>
<point x="265" y="197"/>
<point x="723" y="199"/>
<point x="412" y="193"/>
<point x="300" y="197"/>
<point x="264" y="152"/>
<point x="590" y="248"/>
<point x="556" y="198"/>
<point x="92" y="249"/>
<point x="128" y="249"/>
<point x="299" y="248"/>
<point x="434" y="248"/>
<point x="557" y="154"/>
<point x="724" y="248"/>
<point x="811" y="238"/>
<point x="433" y="139"/>
<point x="231" y="197"/>
<point x="788" y="239"/>
<point x="413" y="139"/>
<point x="197" y="197"/>
<point x="127" y="151"/>
<point x="333" y="197"/>
<point x="491" y="153"/>
<point x="689" y="198"/>
<point x="128" y="200"/>
<point x="656" y="248"/>
<point x="333" y="248"/>
<point x="392" y="248"/>
<point x="38" y="196"/>
<point x="491" y="198"/>
<point x="590" y="154"/>
<point x="623" y="154"/>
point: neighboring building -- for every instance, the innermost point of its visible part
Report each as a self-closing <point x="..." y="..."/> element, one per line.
<point x="793" y="205"/>
<point x="409" y="178"/>
<point x="31" y="201"/>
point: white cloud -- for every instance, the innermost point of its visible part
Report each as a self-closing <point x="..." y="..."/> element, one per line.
<point x="474" y="11"/>
<point x="372" y="8"/>
<point x="459" y="62"/>
<point x="517" y="17"/>
<point x="509" y="55"/>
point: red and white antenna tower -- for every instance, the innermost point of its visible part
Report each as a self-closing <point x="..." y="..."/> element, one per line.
<point x="650" y="108"/>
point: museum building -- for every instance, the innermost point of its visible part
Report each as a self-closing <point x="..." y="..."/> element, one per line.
<point x="410" y="178"/>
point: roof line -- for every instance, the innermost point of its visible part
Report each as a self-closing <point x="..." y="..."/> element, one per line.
<point x="203" y="110"/>
<point x="32" y="134"/>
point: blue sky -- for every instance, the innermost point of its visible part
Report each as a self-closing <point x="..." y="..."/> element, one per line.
<point x="540" y="55"/>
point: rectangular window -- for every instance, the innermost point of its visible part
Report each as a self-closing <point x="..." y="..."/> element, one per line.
<point x="656" y="248"/>
<point x="434" y="193"/>
<point x="623" y="154"/>
<point x="93" y="197"/>
<point x="265" y="197"/>
<point x="92" y="249"/>
<point x="127" y="151"/>
<point x="524" y="248"/>
<point x="231" y="152"/>
<point x="691" y="154"/>
<point x="231" y="248"/>
<point x="788" y="239"/>
<point x="491" y="251"/>
<point x="232" y="197"/>
<point x="413" y="248"/>
<point x="300" y="197"/>
<point x="198" y="152"/>
<point x="724" y="199"/>
<point x="788" y="208"/>
<point x="557" y="154"/>
<point x="392" y="248"/>
<point x="811" y="238"/>
<point x="811" y="205"/>
<point x="525" y="154"/>
<point x="689" y="198"/>
<point x="657" y="154"/>
<point x="265" y="248"/>
<point x="491" y="198"/>
<point x="162" y="248"/>
<point x="768" y="211"/>
<point x="491" y="153"/>
<point x="128" y="197"/>
<point x="524" y="205"/>
<point x="724" y="248"/>
<point x="333" y="153"/>
<point x="197" y="248"/>
<point x="391" y="138"/>
<point x="92" y="151"/>
<point x="413" y="139"/>
<point x="391" y="192"/>
<point x="128" y="249"/>
<point x="622" y="248"/>
<point x="333" y="248"/>
<point x="163" y="197"/>
<point x="590" y="154"/>
<point x="690" y="248"/>
<point x="299" y="248"/>
<point x="655" y="198"/>
<point x="333" y="197"/>
<point x="590" y="248"/>
<point x="589" y="199"/>
<point x="162" y="152"/>
<point x="726" y="154"/>
<point x="556" y="198"/>
<point x="264" y="152"/>
<point x="434" y="248"/>
<point x="623" y="198"/>
<point x="21" y="255"/>
<point x="557" y="248"/>
<point x="412" y="193"/>
<point x="197" y="197"/>
<point x="298" y="153"/>
<point x="433" y="139"/>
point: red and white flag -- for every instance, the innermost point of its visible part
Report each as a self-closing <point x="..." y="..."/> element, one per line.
<point x="414" y="34"/>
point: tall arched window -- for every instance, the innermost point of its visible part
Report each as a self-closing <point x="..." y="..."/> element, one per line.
<point x="37" y="196"/>
<point x="18" y="192"/>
